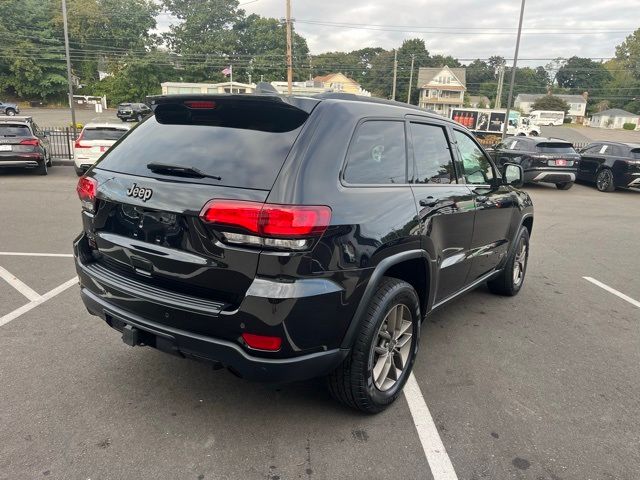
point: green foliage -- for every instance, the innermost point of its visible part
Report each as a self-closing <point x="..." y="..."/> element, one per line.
<point x="582" y="75"/>
<point x="551" y="102"/>
<point x="629" y="126"/>
<point x="480" y="73"/>
<point x="628" y="53"/>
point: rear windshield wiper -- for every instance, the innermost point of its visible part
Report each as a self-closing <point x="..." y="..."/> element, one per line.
<point x="180" y="170"/>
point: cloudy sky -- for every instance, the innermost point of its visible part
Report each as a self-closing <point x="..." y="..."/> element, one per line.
<point x="462" y="28"/>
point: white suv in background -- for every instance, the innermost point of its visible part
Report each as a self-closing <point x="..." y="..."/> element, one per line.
<point x="94" y="140"/>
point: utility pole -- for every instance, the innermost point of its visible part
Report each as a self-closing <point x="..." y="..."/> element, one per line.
<point x="289" y="50"/>
<point x="66" y="49"/>
<point x="395" y="74"/>
<point x="413" y="57"/>
<point x="500" y="84"/>
<point x="513" y="72"/>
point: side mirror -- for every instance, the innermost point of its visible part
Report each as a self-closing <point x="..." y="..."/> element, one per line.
<point x="513" y="175"/>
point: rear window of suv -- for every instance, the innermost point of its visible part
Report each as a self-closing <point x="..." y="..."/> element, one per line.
<point x="15" y="131"/>
<point x="555" y="148"/>
<point x="103" y="133"/>
<point x="245" y="144"/>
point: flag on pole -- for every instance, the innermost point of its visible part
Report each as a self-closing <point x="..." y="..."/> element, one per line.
<point x="228" y="71"/>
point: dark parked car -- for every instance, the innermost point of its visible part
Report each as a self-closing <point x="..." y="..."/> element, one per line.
<point x="23" y="144"/>
<point x="132" y="111"/>
<point x="611" y="165"/>
<point x="543" y="159"/>
<point x="10" y="109"/>
<point x="291" y="238"/>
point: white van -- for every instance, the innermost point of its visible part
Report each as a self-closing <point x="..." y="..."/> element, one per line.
<point x="546" y="117"/>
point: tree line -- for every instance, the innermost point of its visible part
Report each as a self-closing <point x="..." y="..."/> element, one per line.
<point x="117" y="51"/>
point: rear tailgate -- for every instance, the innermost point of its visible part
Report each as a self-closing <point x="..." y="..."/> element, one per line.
<point x="17" y="139"/>
<point x="556" y="154"/>
<point x="147" y="225"/>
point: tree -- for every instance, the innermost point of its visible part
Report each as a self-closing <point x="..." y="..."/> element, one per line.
<point x="551" y="102"/>
<point x="628" y="53"/>
<point x="478" y="74"/>
<point x="582" y="75"/>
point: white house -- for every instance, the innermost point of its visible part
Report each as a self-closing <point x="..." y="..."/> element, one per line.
<point x="442" y="89"/>
<point x="223" y="87"/>
<point x="614" y="118"/>
<point x="577" y="104"/>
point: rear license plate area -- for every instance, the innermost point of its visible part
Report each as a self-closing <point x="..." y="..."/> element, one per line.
<point x="5" y="148"/>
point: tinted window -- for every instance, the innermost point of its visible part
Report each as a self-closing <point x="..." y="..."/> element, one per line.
<point x="635" y="153"/>
<point x="103" y="133"/>
<point x="432" y="154"/>
<point x="377" y="154"/>
<point x="555" y="148"/>
<point x="476" y="166"/>
<point x="244" y="156"/>
<point x="15" y="131"/>
<point x="592" y="149"/>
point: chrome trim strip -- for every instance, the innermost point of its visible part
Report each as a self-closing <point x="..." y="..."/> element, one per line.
<point x="542" y="175"/>
<point x="471" y="286"/>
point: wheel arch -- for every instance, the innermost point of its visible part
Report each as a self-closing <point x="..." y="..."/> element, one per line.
<point x="413" y="267"/>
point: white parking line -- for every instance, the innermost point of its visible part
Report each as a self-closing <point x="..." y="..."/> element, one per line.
<point x="34" y="303"/>
<point x="18" y="284"/>
<point x="27" y="254"/>
<point x="439" y="461"/>
<point x="621" y="295"/>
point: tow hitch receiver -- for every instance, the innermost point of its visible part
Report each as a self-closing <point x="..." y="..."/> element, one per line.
<point x="130" y="335"/>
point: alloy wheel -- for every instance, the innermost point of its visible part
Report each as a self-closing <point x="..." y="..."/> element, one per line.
<point x="392" y="348"/>
<point x="520" y="263"/>
<point x="604" y="180"/>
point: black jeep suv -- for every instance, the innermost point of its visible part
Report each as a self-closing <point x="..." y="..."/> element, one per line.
<point x="291" y="238"/>
<point x="132" y="111"/>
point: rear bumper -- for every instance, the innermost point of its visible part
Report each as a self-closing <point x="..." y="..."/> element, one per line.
<point x="28" y="160"/>
<point x="183" y="343"/>
<point x="550" y="175"/>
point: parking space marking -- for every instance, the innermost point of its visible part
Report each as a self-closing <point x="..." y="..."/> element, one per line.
<point x="26" y="254"/>
<point x="18" y="284"/>
<point x="621" y="295"/>
<point x="439" y="461"/>
<point x="34" y="303"/>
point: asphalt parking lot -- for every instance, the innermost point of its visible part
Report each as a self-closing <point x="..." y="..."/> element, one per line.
<point x="545" y="385"/>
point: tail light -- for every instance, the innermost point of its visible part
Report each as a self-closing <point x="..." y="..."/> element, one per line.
<point x="290" y="227"/>
<point x="30" y="141"/>
<point x="87" y="189"/>
<point x="262" y="342"/>
<point x="78" y="144"/>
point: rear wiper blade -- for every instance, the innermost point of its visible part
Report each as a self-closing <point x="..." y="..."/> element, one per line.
<point x="180" y="170"/>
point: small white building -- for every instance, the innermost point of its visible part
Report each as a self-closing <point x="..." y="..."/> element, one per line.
<point x="300" y="88"/>
<point x="169" y="88"/>
<point x="614" y="118"/>
<point x="577" y="104"/>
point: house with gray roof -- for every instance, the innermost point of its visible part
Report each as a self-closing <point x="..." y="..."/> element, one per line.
<point x="614" y="118"/>
<point x="442" y="88"/>
<point x="577" y="104"/>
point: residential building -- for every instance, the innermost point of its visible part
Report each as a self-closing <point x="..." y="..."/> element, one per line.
<point x="223" y="87"/>
<point x="614" y="118"/>
<point x="577" y="104"/>
<point x="479" y="101"/>
<point x="338" y="82"/>
<point x="442" y="89"/>
<point x="299" y="88"/>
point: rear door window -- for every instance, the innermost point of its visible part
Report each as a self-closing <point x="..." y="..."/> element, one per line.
<point x="9" y="130"/>
<point x="635" y="153"/>
<point x="244" y="143"/>
<point x="433" y="161"/>
<point x="103" y="133"/>
<point x="377" y="154"/>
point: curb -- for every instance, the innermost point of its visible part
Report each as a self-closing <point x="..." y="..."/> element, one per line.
<point x="62" y="162"/>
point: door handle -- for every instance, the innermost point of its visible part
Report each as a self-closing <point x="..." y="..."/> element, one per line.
<point x="429" y="202"/>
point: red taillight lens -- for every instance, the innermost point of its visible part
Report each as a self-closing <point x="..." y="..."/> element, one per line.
<point x="30" y="141"/>
<point x="268" y="220"/>
<point x="262" y="342"/>
<point x="87" y="189"/>
<point x="200" y="104"/>
<point x="78" y="144"/>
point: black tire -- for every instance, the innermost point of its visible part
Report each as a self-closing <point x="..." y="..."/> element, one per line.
<point x="505" y="283"/>
<point x="564" y="186"/>
<point x="10" y="111"/>
<point x="79" y="171"/>
<point x="604" y="180"/>
<point x="139" y="118"/>
<point x="352" y="383"/>
<point x="49" y="162"/>
<point x="534" y="134"/>
<point x="42" y="169"/>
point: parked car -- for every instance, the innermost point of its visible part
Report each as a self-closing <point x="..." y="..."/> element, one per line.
<point x="610" y="165"/>
<point x="543" y="159"/>
<point x="23" y="144"/>
<point x="10" y="109"/>
<point x="288" y="238"/>
<point x="132" y="111"/>
<point x="93" y="141"/>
